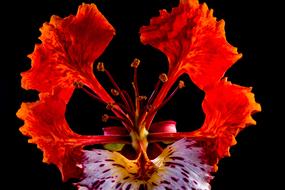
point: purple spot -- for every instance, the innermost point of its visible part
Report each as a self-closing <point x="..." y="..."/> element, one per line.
<point x="154" y="184"/>
<point x="176" y="158"/>
<point x="118" y="185"/>
<point x="166" y="182"/>
<point x="183" y="187"/>
<point x="127" y="177"/>
<point x="109" y="160"/>
<point x="129" y="187"/>
<point x="186" y="175"/>
<point x="185" y="171"/>
<point x="202" y="169"/>
<point x="106" y="170"/>
<point x="143" y="187"/>
<point x="173" y="163"/>
<point x="186" y="180"/>
<point x="166" y="188"/>
<point x="174" y="179"/>
<point x="97" y="184"/>
<point x="118" y="165"/>
<point x="101" y="165"/>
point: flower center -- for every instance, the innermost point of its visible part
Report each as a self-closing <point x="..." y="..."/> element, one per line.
<point x="136" y="114"/>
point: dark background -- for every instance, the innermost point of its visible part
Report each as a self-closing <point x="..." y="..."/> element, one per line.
<point x="252" y="26"/>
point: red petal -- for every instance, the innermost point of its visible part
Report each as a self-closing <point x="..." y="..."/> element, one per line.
<point x="228" y="109"/>
<point x="66" y="55"/>
<point x="69" y="47"/>
<point x="45" y="123"/>
<point x="193" y="41"/>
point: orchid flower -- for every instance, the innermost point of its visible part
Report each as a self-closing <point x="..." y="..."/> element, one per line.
<point x="162" y="158"/>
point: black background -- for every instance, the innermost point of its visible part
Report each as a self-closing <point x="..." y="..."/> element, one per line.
<point x="252" y="26"/>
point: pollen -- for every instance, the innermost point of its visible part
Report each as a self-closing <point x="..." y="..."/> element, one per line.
<point x="142" y="98"/>
<point x="181" y="84"/>
<point x="100" y="67"/>
<point x="115" y="92"/>
<point x="105" y="117"/>
<point x="163" y="77"/>
<point x="109" y="106"/>
<point x="135" y="63"/>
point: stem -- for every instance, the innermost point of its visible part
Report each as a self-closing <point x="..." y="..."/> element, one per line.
<point x="84" y="88"/>
<point x="136" y="89"/>
<point x="159" y="99"/>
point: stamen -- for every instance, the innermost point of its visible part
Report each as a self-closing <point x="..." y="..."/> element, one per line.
<point x="153" y="94"/>
<point x="130" y="101"/>
<point x="135" y="65"/>
<point x="142" y="98"/>
<point x="179" y="86"/>
<point x="163" y="77"/>
<point x="100" y="67"/>
<point x="107" y="117"/>
<point x="110" y="106"/>
<point x="80" y="85"/>
<point x="115" y="92"/>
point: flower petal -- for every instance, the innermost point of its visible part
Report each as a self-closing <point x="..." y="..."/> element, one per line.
<point x="183" y="165"/>
<point x="45" y="123"/>
<point x="194" y="42"/>
<point x="228" y="109"/>
<point x="69" y="47"/>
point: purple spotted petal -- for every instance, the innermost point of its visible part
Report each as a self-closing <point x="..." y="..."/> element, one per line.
<point x="182" y="165"/>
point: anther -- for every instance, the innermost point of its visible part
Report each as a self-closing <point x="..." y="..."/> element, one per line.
<point x="109" y="106"/>
<point x="135" y="63"/>
<point x="105" y="118"/>
<point x="78" y="84"/>
<point x="163" y="77"/>
<point x="142" y="98"/>
<point x="115" y="92"/>
<point x="100" y="67"/>
<point x="181" y="84"/>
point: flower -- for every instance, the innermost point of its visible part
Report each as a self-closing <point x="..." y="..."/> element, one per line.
<point x="142" y="154"/>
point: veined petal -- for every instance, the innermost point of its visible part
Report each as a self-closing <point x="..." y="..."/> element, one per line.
<point x="183" y="165"/>
<point x="45" y="123"/>
<point x="228" y="109"/>
<point x="194" y="42"/>
<point x="69" y="47"/>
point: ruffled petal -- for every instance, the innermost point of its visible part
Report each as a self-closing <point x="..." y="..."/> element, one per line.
<point x="69" y="47"/>
<point x="183" y="165"/>
<point x="45" y="123"/>
<point x="228" y="109"/>
<point x="194" y="42"/>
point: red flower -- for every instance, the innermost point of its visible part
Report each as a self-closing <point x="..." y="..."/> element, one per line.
<point x="194" y="43"/>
